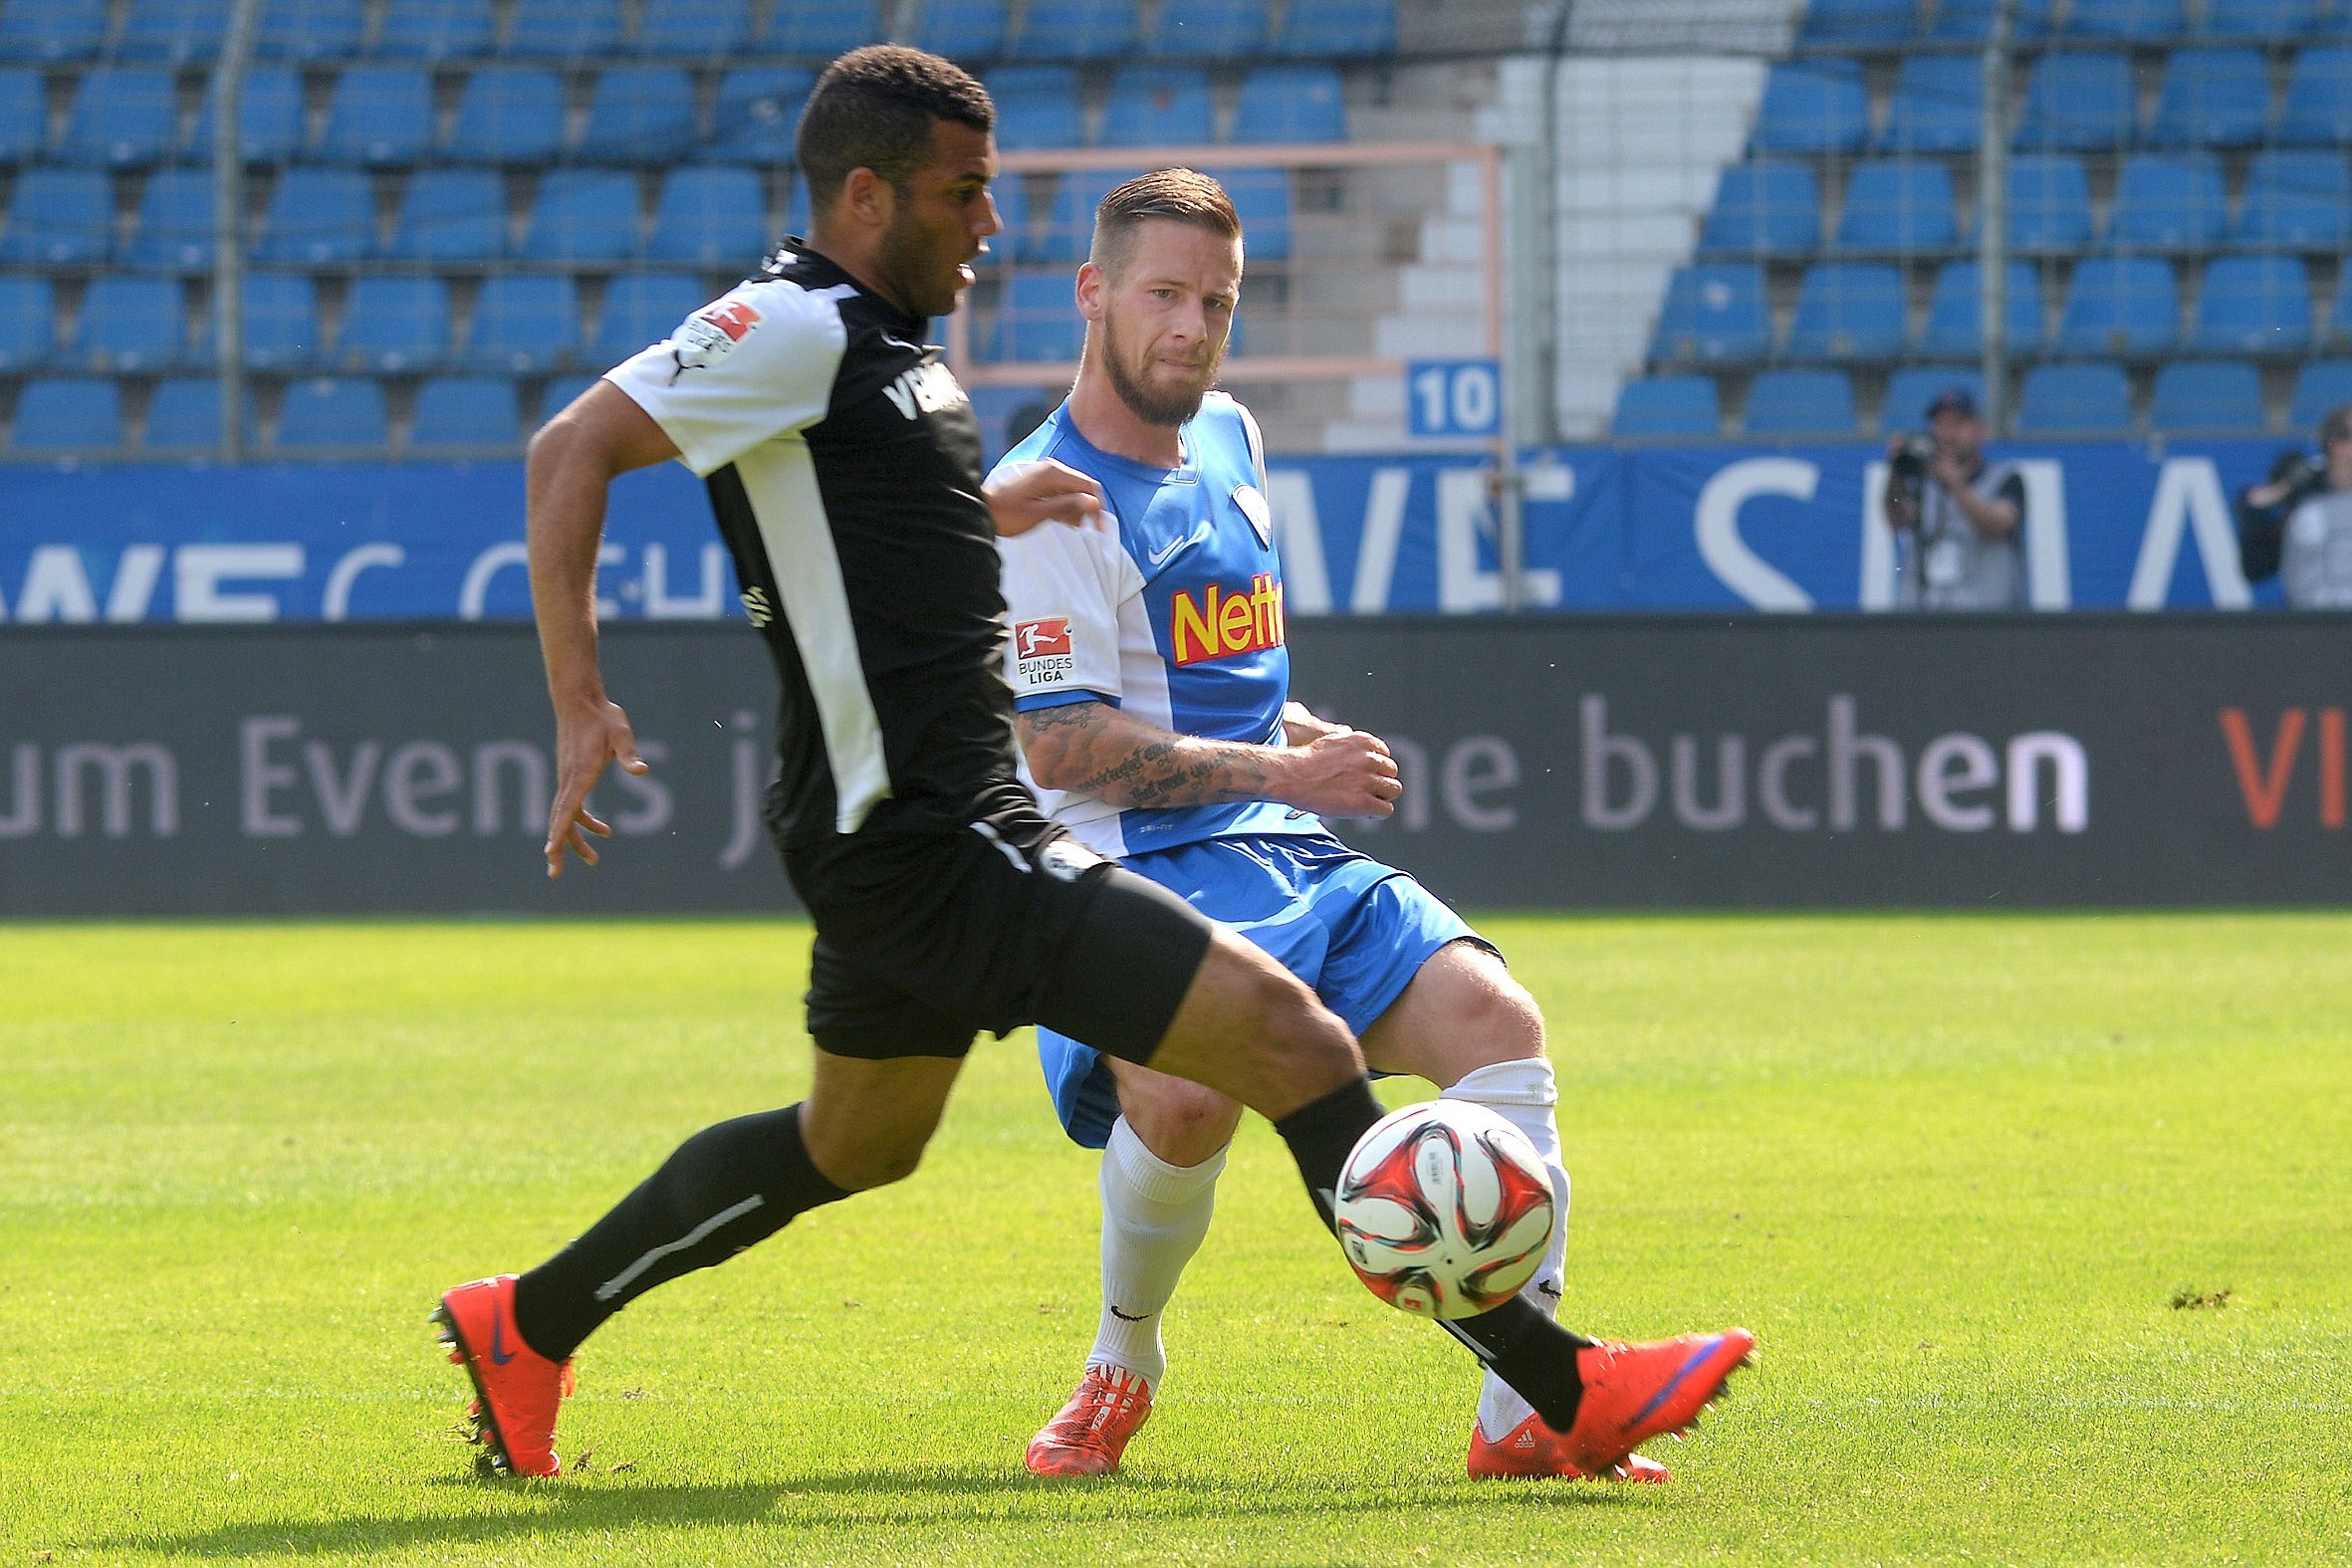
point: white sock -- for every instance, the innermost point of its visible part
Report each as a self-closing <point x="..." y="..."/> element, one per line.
<point x="1154" y="1216"/>
<point x="1522" y="1093"/>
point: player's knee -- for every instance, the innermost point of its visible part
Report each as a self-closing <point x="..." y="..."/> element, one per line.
<point x="866" y="1163"/>
<point x="1508" y="1019"/>
<point x="1180" y="1121"/>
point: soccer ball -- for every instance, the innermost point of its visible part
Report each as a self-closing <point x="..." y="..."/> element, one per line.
<point x="1445" y="1210"/>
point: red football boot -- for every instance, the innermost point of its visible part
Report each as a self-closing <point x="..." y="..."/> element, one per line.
<point x="1531" y="1450"/>
<point x="1089" y="1432"/>
<point x="1633" y="1393"/>
<point x="516" y="1389"/>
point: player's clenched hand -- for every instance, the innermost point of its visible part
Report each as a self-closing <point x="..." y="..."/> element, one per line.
<point x="1344" y="773"/>
<point x="587" y="736"/>
<point x="1042" y="492"/>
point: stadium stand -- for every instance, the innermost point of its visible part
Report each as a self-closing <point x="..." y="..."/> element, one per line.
<point x="395" y="324"/>
<point x="433" y="28"/>
<point x="52" y="31"/>
<point x="1847" y="311"/>
<point x="28" y="322"/>
<point x="2075" y="399"/>
<point x="308" y="30"/>
<point x="379" y="115"/>
<point x="451" y="215"/>
<point x="1291" y="103"/>
<point x="173" y="231"/>
<point x="269" y="118"/>
<point x="525" y="323"/>
<point x="1212" y="29"/>
<point x="1152" y="104"/>
<point x="281" y="321"/>
<point x="2206" y="398"/>
<point x="345" y="412"/>
<point x="1800" y="404"/>
<point x="1667" y="405"/>
<point x="1765" y="209"/>
<point x="465" y="412"/>
<point x="54" y="416"/>
<point x="2320" y="386"/>
<point x="183" y="415"/>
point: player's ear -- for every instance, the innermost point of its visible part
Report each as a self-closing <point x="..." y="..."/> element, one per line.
<point x="1090" y="288"/>
<point x="867" y="199"/>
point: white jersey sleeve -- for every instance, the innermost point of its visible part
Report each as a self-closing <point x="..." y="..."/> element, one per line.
<point x="1064" y="585"/>
<point x="755" y="363"/>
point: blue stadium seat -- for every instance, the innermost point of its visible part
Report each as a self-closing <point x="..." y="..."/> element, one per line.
<point x="2212" y="97"/>
<point x="2296" y="199"/>
<point x="130" y="324"/>
<point x="2075" y="399"/>
<point x="2339" y="310"/>
<point x="1938" y="105"/>
<point x="2260" y="18"/>
<point x="1774" y="209"/>
<point x="757" y="111"/>
<point x="582" y="214"/>
<point x="795" y="209"/>
<point x="639" y="114"/>
<point x="1156" y="106"/>
<point x="2318" y="108"/>
<point x="712" y="216"/>
<point x="1070" y="221"/>
<point x="1812" y="105"/>
<point x="1076" y="30"/>
<point x="2119" y="305"/>
<point x="1847" y="311"/>
<point x="1911" y="390"/>
<point x="174" y="226"/>
<point x="59" y="218"/>
<point x="269" y="118"/>
<point x="451" y="215"/>
<point x="1036" y="319"/>
<point x="821" y="27"/>
<point x="1898" y="205"/>
<point x="1715" y="312"/>
<point x="395" y="324"/>
<point x="48" y="31"/>
<point x="2169" y="201"/>
<point x="962" y="29"/>
<point x="184" y="414"/>
<point x="2136" y="21"/>
<point x="1339" y="27"/>
<point x="695" y="27"/>
<point x="306" y="30"/>
<point x="1667" y="405"/>
<point x="1970" y="21"/>
<point x="643" y="308"/>
<point x="121" y="117"/>
<point x="1859" y="21"/>
<point x="177" y="32"/>
<point x="1956" y="314"/>
<point x="1207" y="28"/>
<point x="434" y="29"/>
<point x="333" y="411"/>
<point x="28" y="322"/>
<point x="2320" y="387"/>
<point x="2257" y="303"/>
<point x="1800" y="404"/>
<point x="2049" y="205"/>
<point x="318" y="215"/>
<point x="278" y="324"/>
<point x="380" y="115"/>
<point x="2078" y="104"/>
<point x="1261" y="199"/>
<point x="1291" y="103"/>
<point x="566" y="28"/>
<point x="54" y="416"/>
<point x="2223" y="398"/>
<point x="1036" y="106"/>
<point x="509" y="116"/>
<point x="561" y="391"/>
<point x="466" y="411"/>
<point x="23" y="116"/>
<point x="523" y="323"/>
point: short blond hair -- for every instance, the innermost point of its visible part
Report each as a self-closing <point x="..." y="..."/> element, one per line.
<point x="1177" y="195"/>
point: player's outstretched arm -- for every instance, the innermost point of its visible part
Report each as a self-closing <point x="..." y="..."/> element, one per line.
<point x="1092" y="748"/>
<point x="573" y="460"/>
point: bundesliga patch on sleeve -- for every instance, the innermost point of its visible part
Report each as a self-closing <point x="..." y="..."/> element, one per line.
<point x="711" y="335"/>
<point x="1041" y="651"/>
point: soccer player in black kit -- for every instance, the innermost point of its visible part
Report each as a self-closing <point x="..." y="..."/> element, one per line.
<point x="843" y="465"/>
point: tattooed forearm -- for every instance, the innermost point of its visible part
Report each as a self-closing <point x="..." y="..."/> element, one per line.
<point x="1091" y="747"/>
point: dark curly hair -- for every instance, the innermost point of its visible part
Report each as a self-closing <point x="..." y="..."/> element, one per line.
<point x="872" y="110"/>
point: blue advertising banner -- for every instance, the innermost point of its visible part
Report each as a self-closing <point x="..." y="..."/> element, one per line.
<point x="2109" y="526"/>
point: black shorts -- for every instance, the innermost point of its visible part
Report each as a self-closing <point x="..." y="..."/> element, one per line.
<point x="924" y="939"/>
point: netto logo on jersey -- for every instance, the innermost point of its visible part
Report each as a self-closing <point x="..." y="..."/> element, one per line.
<point x="1228" y="623"/>
<point x="1040" y="650"/>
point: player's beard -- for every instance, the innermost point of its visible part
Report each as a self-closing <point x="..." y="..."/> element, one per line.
<point x="1155" y="405"/>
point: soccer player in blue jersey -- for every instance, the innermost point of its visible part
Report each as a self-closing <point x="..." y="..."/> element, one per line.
<point x="1152" y="702"/>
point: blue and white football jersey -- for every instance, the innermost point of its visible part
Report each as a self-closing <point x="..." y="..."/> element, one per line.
<point x="1171" y="608"/>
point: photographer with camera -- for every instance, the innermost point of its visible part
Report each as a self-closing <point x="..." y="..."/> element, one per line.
<point x="1960" y="519"/>
<point x="2300" y="522"/>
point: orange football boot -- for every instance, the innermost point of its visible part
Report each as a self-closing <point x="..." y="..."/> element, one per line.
<point x="1531" y="1450"/>
<point x="1089" y="1432"/>
<point x="1633" y="1393"/>
<point x="516" y="1389"/>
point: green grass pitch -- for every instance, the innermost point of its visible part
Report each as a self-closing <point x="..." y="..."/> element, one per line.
<point x="2043" y="1223"/>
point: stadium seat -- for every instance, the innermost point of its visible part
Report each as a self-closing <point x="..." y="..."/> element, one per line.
<point x="2212" y="97"/>
<point x="1713" y="312"/>
<point x="1070" y="221"/>
<point x="1800" y="404"/>
<point x="695" y="27"/>
<point x="523" y="323"/>
<point x="2079" y="103"/>
<point x="711" y="216"/>
<point x="795" y="209"/>
<point x="1338" y="27"/>
<point x="466" y="411"/>
<point x="1207" y="28"/>
<point x="59" y="218"/>
<point x="55" y="416"/>
<point x="434" y="29"/>
<point x="962" y="29"/>
<point x="566" y="28"/>
<point x="333" y="411"/>
<point x="560" y="392"/>
<point x="1261" y="199"/>
<point x="1036" y="106"/>
<point x="2049" y="205"/>
<point x="1291" y="103"/>
<point x="2191" y="397"/>
<point x="1938" y="105"/>
<point x="51" y="31"/>
<point x="380" y="115"/>
<point x="279" y="324"/>
<point x="2260" y="18"/>
<point x="23" y="116"/>
<point x="1847" y="311"/>
<point x="1667" y="405"/>
<point x="509" y="116"/>
<point x="1911" y="390"/>
<point x="269" y="118"/>
<point x="2257" y="304"/>
<point x="1859" y="21"/>
<point x="2296" y="199"/>
<point x="183" y="415"/>
<point x="1812" y="105"/>
<point x="318" y="215"/>
<point x="2135" y="21"/>
<point x="2320" y="387"/>
<point x="582" y="214"/>
<point x="28" y="322"/>
<point x="1763" y="208"/>
<point x="2075" y="399"/>
<point x="821" y="27"/>
<point x="1898" y="205"/>
<point x="174" y="232"/>
<point x="757" y="111"/>
<point x="1155" y="105"/>
<point x="2119" y="305"/>
<point x="2169" y="201"/>
<point x="451" y="215"/>
<point x="1078" y="30"/>
<point x="639" y="114"/>
<point x="395" y="324"/>
<point x="643" y="308"/>
<point x="121" y="118"/>
<point x="1036" y="319"/>
<point x="1971" y="21"/>
<point x="2339" y="310"/>
<point x="306" y="30"/>
<point x="1956" y="313"/>
<point x="175" y="31"/>
<point x="2317" y="112"/>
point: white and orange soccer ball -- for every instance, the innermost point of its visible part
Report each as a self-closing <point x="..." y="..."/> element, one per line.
<point x="1445" y="1210"/>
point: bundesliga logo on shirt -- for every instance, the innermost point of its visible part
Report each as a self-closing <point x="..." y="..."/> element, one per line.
<point x="1040" y="650"/>
<point x="710" y="336"/>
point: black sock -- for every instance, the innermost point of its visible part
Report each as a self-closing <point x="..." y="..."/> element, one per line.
<point x="1323" y="1133"/>
<point x="724" y="1189"/>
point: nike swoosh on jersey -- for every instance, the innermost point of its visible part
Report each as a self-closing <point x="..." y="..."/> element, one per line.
<point x="1159" y="555"/>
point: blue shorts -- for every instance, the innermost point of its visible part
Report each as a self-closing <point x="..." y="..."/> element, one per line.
<point x="1355" y="929"/>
